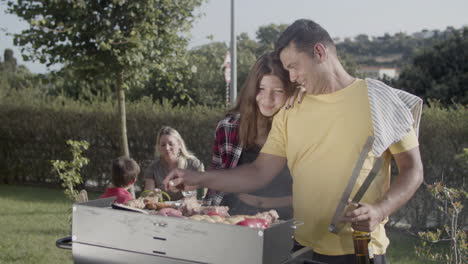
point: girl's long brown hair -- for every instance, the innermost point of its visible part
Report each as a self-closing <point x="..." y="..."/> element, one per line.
<point x="251" y="118"/>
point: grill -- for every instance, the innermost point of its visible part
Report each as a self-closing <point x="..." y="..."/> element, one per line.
<point x="101" y="234"/>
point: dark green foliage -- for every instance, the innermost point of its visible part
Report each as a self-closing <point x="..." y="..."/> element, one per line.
<point x="39" y="131"/>
<point x="450" y="202"/>
<point x="19" y="79"/>
<point x="246" y="57"/>
<point x="72" y="84"/>
<point x="69" y="172"/>
<point x="9" y="63"/>
<point x="201" y="80"/>
<point x="103" y="38"/>
<point x="267" y="36"/>
<point x="119" y="41"/>
<point x="440" y="72"/>
<point x="207" y="85"/>
<point x="14" y="78"/>
<point x="443" y="135"/>
<point x="390" y="50"/>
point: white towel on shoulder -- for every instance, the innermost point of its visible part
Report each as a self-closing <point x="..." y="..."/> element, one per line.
<point x="393" y="114"/>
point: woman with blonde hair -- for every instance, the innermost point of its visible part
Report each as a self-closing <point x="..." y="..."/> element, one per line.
<point x="170" y="153"/>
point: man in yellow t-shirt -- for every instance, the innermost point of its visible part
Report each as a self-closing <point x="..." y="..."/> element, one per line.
<point x="321" y="140"/>
<point x="337" y="128"/>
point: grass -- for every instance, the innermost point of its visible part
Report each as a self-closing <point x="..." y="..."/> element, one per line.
<point x="401" y="249"/>
<point x="33" y="218"/>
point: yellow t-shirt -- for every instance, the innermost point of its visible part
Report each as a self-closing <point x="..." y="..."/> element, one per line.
<point x="322" y="138"/>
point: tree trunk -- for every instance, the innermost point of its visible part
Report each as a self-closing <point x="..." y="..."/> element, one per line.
<point x="123" y="121"/>
<point x="123" y="116"/>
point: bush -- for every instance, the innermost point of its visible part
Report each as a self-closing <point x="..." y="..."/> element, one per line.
<point x="33" y="132"/>
<point x="443" y="135"/>
<point x="69" y="171"/>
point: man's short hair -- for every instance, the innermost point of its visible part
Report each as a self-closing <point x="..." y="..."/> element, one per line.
<point x="124" y="170"/>
<point x="304" y="33"/>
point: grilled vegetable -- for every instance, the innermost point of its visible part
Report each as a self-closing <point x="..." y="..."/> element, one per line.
<point x="254" y="223"/>
<point x="210" y="213"/>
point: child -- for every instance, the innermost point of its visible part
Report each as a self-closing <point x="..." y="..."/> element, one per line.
<point x="124" y="174"/>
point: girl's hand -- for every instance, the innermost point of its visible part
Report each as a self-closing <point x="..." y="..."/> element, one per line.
<point x="298" y="95"/>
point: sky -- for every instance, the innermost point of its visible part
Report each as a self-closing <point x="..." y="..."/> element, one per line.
<point x="342" y="18"/>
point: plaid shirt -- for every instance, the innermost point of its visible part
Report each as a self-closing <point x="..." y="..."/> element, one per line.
<point x="226" y="151"/>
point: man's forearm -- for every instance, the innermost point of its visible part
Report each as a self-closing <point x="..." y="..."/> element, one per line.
<point x="367" y="216"/>
<point x="245" y="178"/>
<point x="401" y="190"/>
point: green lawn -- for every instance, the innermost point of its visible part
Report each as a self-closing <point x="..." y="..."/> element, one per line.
<point x="33" y="218"/>
<point x="401" y="249"/>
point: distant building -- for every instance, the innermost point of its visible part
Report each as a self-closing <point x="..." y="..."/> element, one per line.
<point x="377" y="72"/>
<point x="389" y="58"/>
<point x="424" y="34"/>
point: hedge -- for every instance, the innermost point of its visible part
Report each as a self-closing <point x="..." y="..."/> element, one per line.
<point x="443" y="135"/>
<point x="33" y="134"/>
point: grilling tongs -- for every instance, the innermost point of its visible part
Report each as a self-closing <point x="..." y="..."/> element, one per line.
<point x="336" y="224"/>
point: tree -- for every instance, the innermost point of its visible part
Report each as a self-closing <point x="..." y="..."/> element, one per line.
<point x="450" y="202"/>
<point x="17" y="78"/>
<point x="267" y="36"/>
<point x="72" y="84"/>
<point x="246" y="57"/>
<point x="9" y="63"/>
<point x="362" y="38"/>
<point x="117" y="40"/>
<point x="440" y="72"/>
<point x="172" y="84"/>
<point x="208" y="84"/>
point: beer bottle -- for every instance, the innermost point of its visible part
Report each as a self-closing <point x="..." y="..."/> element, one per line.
<point x="362" y="247"/>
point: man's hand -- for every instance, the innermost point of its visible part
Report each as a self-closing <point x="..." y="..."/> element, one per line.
<point x="365" y="217"/>
<point x="182" y="180"/>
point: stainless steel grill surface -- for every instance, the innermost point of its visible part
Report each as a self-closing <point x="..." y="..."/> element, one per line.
<point x="101" y="234"/>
